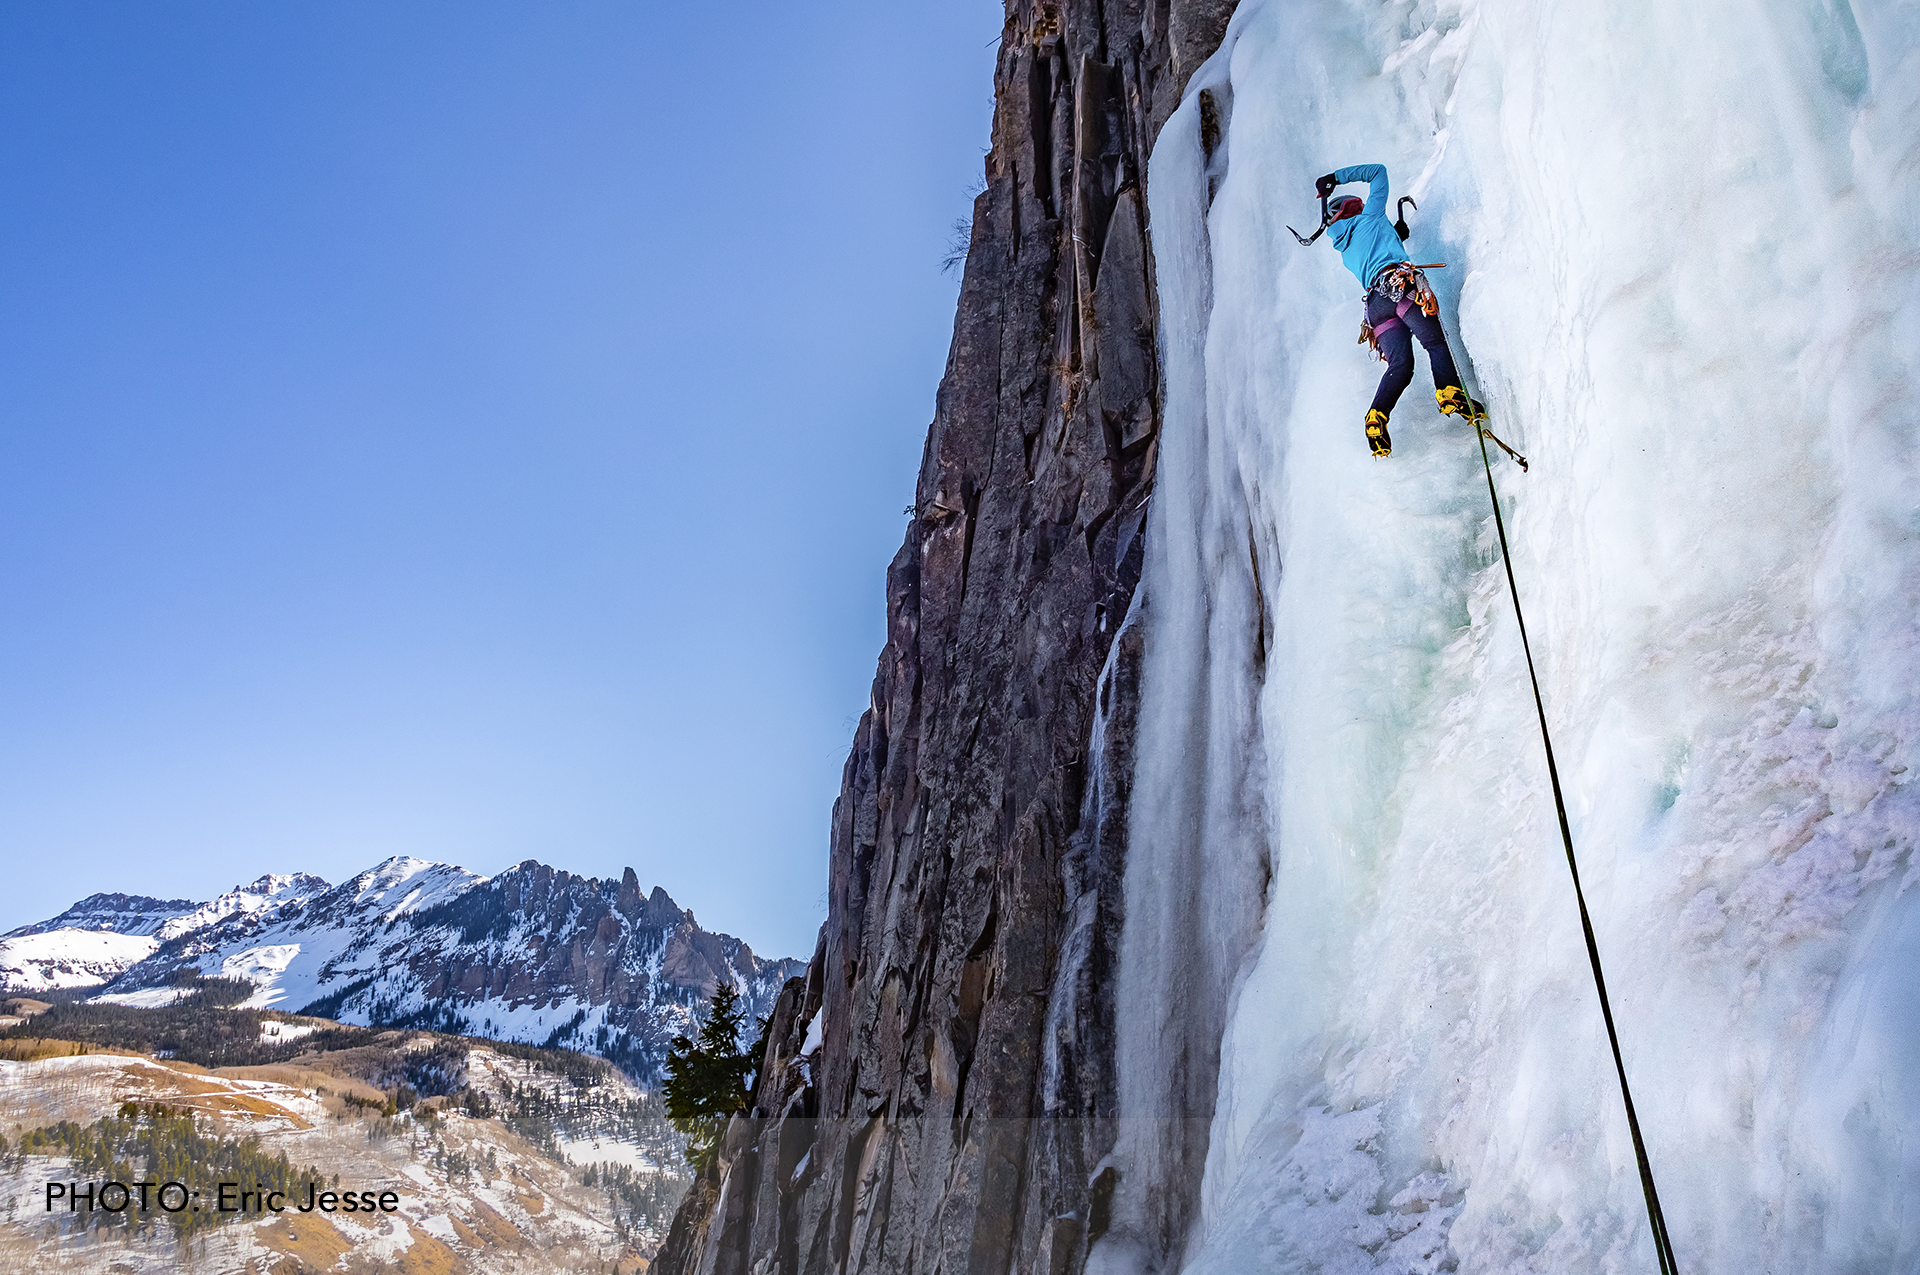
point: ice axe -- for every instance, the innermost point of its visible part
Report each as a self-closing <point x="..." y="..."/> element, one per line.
<point x="1326" y="219"/>
<point x="1324" y="187"/>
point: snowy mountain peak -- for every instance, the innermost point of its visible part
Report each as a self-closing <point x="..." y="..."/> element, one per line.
<point x="114" y="913"/>
<point x="402" y="884"/>
<point x="49" y="960"/>
<point x="103" y="935"/>
<point x="274" y="885"/>
<point x="270" y="893"/>
<point x="398" y="868"/>
<point x="533" y="954"/>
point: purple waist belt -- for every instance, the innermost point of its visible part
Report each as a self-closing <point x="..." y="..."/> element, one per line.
<point x="1399" y="313"/>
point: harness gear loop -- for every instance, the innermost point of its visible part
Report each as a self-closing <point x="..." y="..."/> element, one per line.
<point x="1397" y="283"/>
<point x="1656" y="1219"/>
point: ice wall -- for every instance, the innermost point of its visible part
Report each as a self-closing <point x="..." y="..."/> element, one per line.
<point x="1682" y="253"/>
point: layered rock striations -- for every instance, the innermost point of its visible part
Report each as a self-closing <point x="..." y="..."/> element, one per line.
<point x="938" y="1091"/>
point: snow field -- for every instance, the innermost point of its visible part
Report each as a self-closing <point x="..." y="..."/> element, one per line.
<point x="273" y="1030"/>
<point x="68" y="958"/>
<point x="260" y="964"/>
<point x="1682" y="248"/>
<point x="608" y="1150"/>
<point x="146" y="998"/>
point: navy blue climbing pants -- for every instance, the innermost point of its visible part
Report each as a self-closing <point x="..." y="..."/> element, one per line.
<point x="1396" y="342"/>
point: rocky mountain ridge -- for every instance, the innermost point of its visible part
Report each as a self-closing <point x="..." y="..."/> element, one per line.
<point x="533" y="954"/>
<point x="165" y="919"/>
<point x="111" y="913"/>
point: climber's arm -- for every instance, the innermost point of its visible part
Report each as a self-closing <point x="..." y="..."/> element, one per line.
<point x="1375" y="175"/>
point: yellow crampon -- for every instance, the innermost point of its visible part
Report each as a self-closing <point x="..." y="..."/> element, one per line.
<point x="1454" y="402"/>
<point x="1377" y="440"/>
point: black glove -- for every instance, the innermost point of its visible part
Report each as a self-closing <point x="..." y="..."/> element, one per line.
<point x="1325" y="185"/>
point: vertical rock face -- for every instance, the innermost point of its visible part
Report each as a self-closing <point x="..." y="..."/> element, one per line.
<point x="937" y="1093"/>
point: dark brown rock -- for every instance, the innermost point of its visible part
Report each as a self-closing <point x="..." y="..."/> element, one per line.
<point x="954" y="1111"/>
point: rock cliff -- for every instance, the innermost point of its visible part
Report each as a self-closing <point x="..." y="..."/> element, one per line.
<point x="938" y="1090"/>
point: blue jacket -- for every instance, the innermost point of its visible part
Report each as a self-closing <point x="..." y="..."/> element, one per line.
<point x="1367" y="243"/>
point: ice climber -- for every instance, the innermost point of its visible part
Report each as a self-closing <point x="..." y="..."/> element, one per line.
<point x="1400" y="305"/>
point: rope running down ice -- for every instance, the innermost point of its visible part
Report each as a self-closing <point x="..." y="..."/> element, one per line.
<point x="1663" y="1248"/>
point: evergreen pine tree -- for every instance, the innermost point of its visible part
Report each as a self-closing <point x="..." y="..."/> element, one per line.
<point x="707" y="1081"/>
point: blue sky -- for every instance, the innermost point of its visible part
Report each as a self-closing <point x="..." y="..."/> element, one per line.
<point x="474" y="431"/>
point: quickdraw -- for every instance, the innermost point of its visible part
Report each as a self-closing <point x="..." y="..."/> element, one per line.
<point x="1480" y="423"/>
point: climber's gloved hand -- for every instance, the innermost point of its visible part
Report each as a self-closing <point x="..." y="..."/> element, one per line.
<point x="1325" y="185"/>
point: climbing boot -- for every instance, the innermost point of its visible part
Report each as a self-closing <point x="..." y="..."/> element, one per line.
<point x="1454" y="401"/>
<point x="1377" y="439"/>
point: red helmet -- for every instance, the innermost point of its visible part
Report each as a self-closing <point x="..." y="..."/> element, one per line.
<point x="1341" y="207"/>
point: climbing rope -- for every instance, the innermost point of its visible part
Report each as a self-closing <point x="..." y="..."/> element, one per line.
<point x="1662" y="1247"/>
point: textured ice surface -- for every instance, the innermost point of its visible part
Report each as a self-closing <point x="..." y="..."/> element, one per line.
<point x="1683" y="243"/>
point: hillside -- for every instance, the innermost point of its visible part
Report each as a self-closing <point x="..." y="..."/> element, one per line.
<point x="500" y="1158"/>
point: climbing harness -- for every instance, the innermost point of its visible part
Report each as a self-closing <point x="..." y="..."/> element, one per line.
<point x="1406" y="287"/>
<point x="1662" y="1246"/>
<point x="1397" y="282"/>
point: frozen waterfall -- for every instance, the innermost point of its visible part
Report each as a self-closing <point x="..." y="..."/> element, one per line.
<point x="1683" y="244"/>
